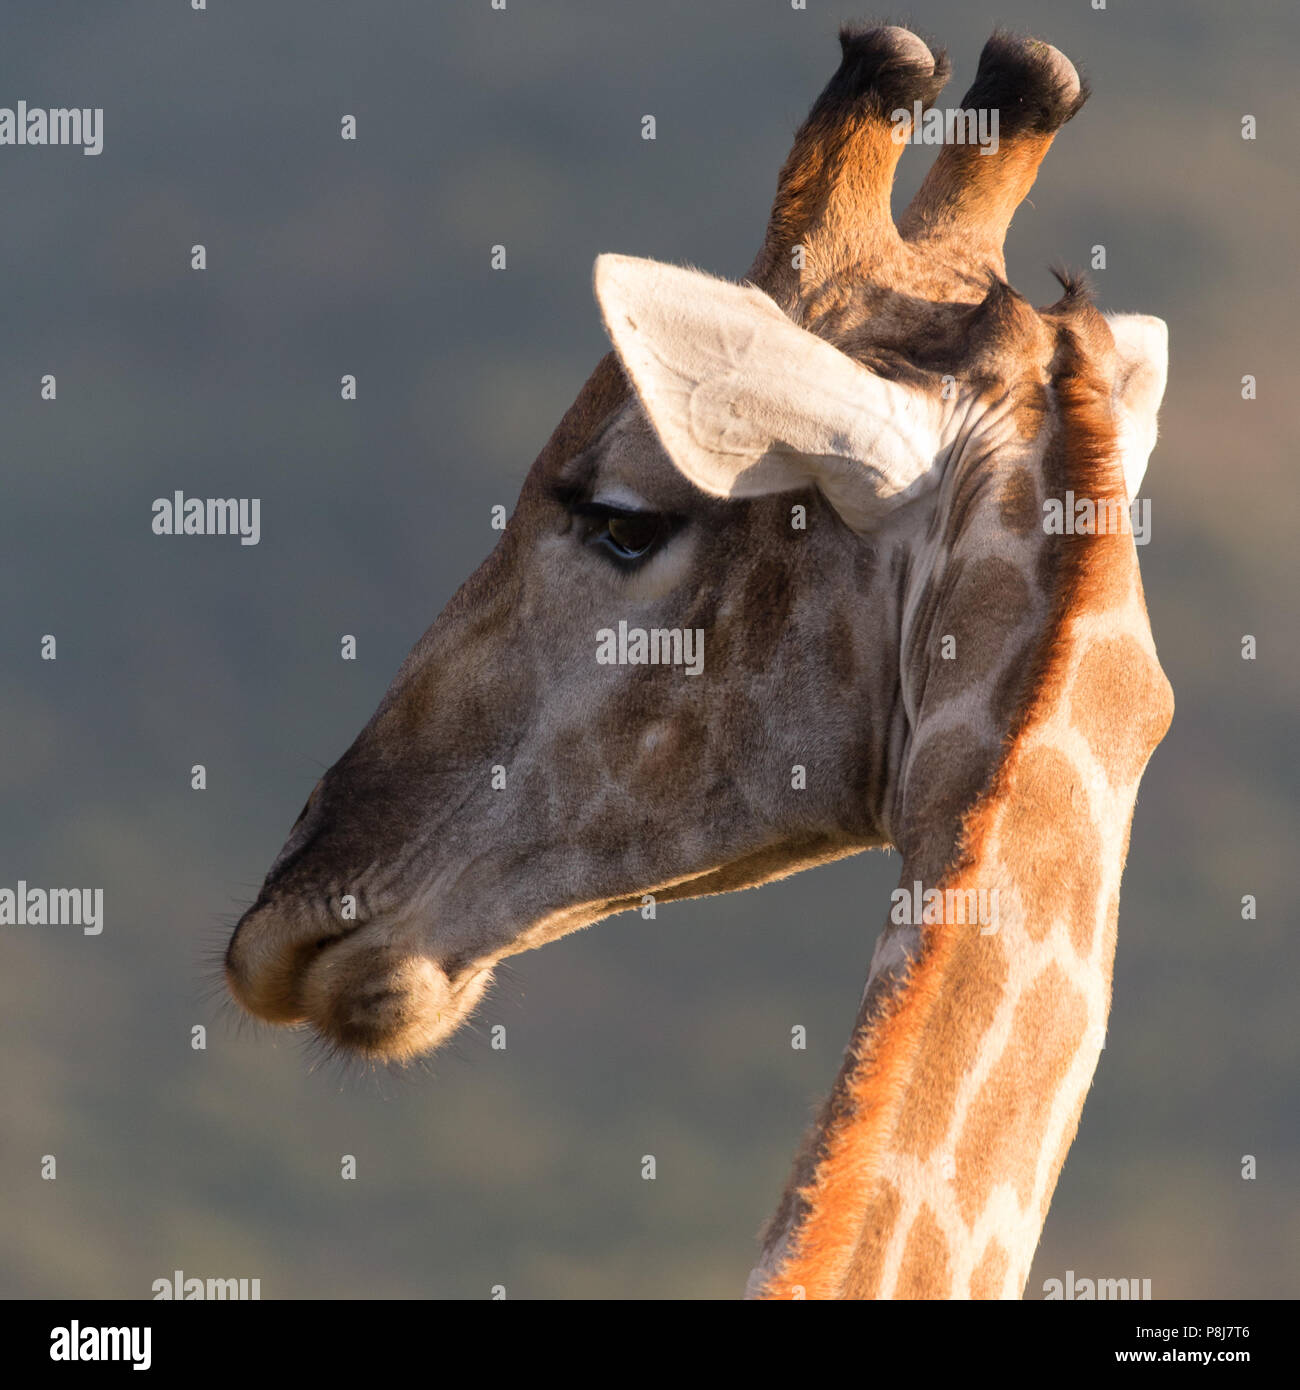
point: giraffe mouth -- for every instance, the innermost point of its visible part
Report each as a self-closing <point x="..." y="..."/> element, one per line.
<point x="362" y="992"/>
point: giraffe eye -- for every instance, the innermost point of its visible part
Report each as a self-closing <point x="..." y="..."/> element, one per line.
<point x="632" y="536"/>
<point x="628" y="536"/>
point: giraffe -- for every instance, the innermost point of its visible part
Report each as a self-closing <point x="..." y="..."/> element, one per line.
<point x="838" y="473"/>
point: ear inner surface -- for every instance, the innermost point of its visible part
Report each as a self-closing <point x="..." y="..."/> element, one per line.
<point x="1142" y="368"/>
<point x="745" y="402"/>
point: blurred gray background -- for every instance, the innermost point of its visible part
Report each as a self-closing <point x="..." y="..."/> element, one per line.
<point x="476" y="127"/>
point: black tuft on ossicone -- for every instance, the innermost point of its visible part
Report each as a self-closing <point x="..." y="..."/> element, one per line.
<point x="1034" y="88"/>
<point x="883" y="70"/>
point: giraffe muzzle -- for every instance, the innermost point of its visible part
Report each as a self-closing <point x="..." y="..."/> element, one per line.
<point x="362" y="991"/>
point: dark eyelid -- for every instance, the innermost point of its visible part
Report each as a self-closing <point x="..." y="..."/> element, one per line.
<point x="608" y="509"/>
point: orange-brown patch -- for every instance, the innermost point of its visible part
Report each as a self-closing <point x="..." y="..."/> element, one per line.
<point x="990" y="1274"/>
<point x="1121" y="703"/>
<point x="924" y="1272"/>
<point x="867" y="1263"/>
<point x="962" y="1016"/>
<point x="1007" y="1123"/>
<point x="1047" y="812"/>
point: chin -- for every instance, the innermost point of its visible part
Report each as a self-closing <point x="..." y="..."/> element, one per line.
<point x="385" y="1008"/>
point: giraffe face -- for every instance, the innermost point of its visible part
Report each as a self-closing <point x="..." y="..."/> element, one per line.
<point x="679" y="673"/>
<point x="693" y="661"/>
<point x="531" y="771"/>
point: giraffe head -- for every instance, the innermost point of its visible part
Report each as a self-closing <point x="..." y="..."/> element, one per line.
<point x="706" y="647"/>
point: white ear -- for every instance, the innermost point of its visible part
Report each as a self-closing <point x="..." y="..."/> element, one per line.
<point x="1142" y="343"/>
<point x="745" y="402"/>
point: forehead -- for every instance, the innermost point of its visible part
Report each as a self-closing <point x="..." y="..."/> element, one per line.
<point x="994" y="333"/>
<point x="625" y="464"/>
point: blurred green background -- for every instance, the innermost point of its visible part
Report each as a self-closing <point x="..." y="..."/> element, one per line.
<point x="522" y="127"/>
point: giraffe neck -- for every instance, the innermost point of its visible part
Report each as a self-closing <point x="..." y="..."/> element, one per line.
<point x="931" y="1168"/>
